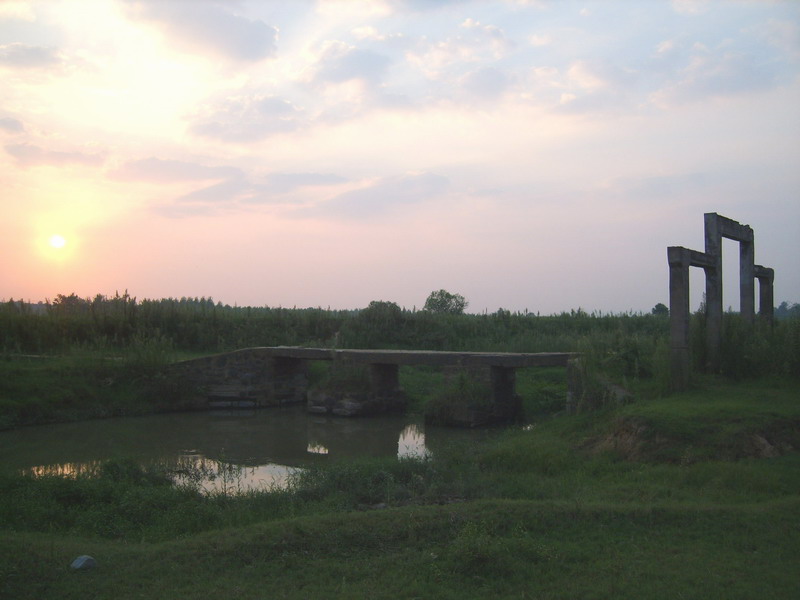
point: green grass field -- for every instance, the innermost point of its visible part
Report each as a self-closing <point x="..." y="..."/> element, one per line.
<point x="694" y="495"/>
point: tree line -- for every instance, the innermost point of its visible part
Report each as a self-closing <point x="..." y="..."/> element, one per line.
<point x="631" y="344"/>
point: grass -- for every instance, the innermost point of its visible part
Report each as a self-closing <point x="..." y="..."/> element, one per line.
<point x="693" y="495"/>
<point x="502" y="548"/>
<point x="87" y="383"/>
<point x="658" y="498"/>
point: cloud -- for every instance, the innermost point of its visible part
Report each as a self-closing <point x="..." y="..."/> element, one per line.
<point x="11" y="125"/>
<point x="249" y="118"/>
<point x="487" y="82"/>
<point x="16" y="10"/>
<point x="224" y="196"/>
<point x="223" y="192"/>
<point x="353" y="9"/>
<point x="383" y="196"/>
<point x="28" y="155"/>
<point x="583" y="76"/>
<point x="690" y="7"/>
<point x="367" y="32"/>
<point x="340" y="62"/>
<point x="285" y="182"/>
<point x="157" y="170"/>
<point x="230" y="194"/>
<point x="783" y="35"/>
<point x="540" y="39"/>
<point x="351" y="81"/>
<point x="722" y="74"/>
<point x="425" y="5"/>
<point x="475" y="42"/>
<point x="24" y="56"/>
<point x="198" y="25"/>
<point x="656" y="188"/>
<point x="232" y="186"/>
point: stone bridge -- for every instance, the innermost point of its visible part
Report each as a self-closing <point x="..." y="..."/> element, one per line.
<point x="273" y="376"/>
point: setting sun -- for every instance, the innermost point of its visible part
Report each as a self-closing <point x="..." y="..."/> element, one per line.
<point x="57" y="241"/>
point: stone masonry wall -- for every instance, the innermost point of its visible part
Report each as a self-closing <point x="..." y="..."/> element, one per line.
<point x="246" y="378"/>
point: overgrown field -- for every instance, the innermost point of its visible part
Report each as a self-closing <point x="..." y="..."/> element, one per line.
<point x="691" y="495"/>
<point x="696" y="495"/>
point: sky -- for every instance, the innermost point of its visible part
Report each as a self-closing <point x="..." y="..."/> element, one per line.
<point x="529" y="155"/>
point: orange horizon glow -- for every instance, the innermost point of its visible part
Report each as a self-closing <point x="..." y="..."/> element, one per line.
<point x="334" y="153"/>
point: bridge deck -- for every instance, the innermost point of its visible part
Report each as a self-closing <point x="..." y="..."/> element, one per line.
<point x="423" y="357"/>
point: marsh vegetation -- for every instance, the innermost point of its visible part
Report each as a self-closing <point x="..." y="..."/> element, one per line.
<point x="688" y="495"/>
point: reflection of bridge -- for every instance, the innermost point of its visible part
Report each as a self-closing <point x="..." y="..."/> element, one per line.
<point x="278" y="375"/>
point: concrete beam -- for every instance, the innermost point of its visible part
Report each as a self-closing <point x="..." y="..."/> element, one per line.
<point x="465" y="359"/>
<point x="730" y="229"/>
<point x="421" y="357"/>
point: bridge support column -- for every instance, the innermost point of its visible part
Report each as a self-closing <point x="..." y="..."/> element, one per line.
<point x="507" y="404"/>
<point x="384" y="379"/>
<point x="289" y="379"/>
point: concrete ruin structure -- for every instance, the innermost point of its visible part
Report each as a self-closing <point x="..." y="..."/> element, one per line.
<point x="680" y="259"/>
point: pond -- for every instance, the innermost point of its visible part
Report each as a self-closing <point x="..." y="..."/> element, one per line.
<point x="240" y="449"/>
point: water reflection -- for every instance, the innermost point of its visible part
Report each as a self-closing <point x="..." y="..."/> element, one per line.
<point x="64" y="469"/>
<point x="412" y="442"/>
<point x="218" y="477"/>
<point x="220" y="451"/>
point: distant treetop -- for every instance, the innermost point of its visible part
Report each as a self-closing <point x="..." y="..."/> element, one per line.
<point x="443" y="301"/>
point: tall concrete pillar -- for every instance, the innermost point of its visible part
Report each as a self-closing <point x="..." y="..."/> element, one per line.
<point x="747" y="279"/>
<point x="713" y="248"/>
<point x="678" y="259"/>
<point x="766" y="300"/>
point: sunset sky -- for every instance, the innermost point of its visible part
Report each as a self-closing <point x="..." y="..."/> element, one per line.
<point x="535" y="155"/>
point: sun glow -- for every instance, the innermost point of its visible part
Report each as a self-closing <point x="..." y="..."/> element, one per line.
<point x="55" y="247"/>
<point x="57" y="241"/>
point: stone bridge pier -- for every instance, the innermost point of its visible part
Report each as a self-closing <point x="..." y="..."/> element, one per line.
<point x="384" y="379"/>
<point x="289" y="380"/>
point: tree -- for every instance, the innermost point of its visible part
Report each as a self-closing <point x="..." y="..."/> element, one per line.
<point x="660" y="309"/>
<point x="445" y="303"/>
<point x="785" y="311"/>
<point x="381" y="311"/>
<point x="70" y="305"/>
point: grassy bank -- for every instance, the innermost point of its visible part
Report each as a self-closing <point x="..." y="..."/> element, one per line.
<point x="496" y="548"/>
<point x="695" y="495"/>
<point x="90" y="383"/>
<point x="691" y="495"/>
<point x="84" y="384"/>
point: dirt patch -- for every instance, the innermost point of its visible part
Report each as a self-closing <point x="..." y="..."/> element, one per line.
<point x="758" y="445"/>
<point x="634" y="440"/>
<point x="631" y="439"/>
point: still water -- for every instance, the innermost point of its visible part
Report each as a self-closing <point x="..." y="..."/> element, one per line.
<point x="243" y="449"/>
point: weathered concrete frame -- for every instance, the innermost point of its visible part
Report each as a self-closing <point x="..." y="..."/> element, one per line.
<point x="680" y="259"/>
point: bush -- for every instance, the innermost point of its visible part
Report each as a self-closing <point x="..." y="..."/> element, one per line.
<point x="462" y="397"/>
